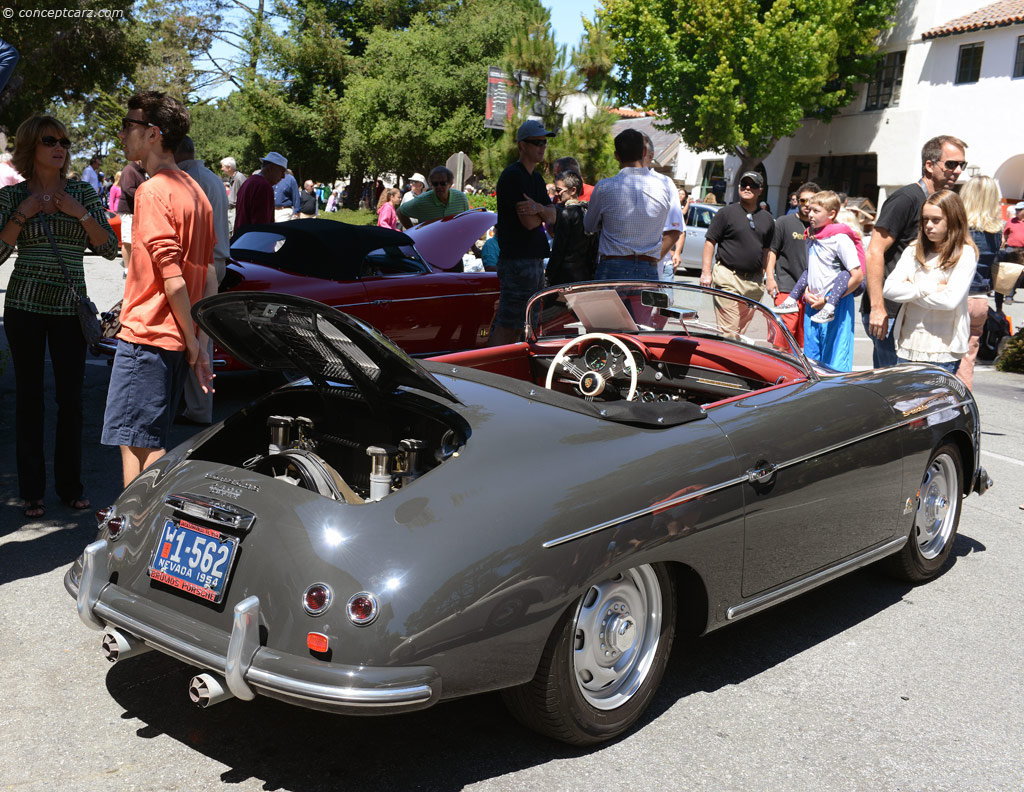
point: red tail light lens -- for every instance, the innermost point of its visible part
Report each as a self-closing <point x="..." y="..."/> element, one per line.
<point x="317" y="599"/>
<point x="317" y="642"/>
<point x="114" y="526"/>
<point x="102" y="514"/>
<point x="362" y="608"/>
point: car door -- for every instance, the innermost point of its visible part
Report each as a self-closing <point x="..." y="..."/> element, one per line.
<point x="825" y="476"/>
<point x="432" y="312"/>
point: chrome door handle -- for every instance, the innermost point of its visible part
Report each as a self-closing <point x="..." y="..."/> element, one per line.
<point x="762" y="471"/>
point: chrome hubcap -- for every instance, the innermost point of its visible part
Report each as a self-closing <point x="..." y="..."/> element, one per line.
<point x="616" y="632"/>
<point x="936" y="509"/>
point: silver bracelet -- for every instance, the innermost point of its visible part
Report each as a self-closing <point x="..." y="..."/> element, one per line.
<point x="84" y="217"/>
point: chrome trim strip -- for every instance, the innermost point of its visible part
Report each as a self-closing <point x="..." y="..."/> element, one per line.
<point x="245" y="640"/>
<point x="868" y="435"/>
<point x="798" y="587"/>
<point x="414" y="694"/>
<point x="440" y="297"/>
<point x="95" y="577"/>
<point x="667" y="504"/>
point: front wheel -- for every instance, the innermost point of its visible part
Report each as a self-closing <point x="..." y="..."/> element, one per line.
<point x="936" y="519"/>
<point x="603" y="663"/>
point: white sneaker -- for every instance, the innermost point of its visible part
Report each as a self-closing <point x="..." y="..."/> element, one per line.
<point x="787" y="307"/>
<point x="826" y="314"/>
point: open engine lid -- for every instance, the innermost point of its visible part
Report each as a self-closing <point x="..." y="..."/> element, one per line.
<point x="281" y="332"/>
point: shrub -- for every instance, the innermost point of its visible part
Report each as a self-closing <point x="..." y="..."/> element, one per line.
<point x="1012" y="357"/>
<point x="478" y="201"/>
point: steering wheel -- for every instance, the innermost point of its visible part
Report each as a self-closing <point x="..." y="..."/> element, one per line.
<point x="591" y="383"/>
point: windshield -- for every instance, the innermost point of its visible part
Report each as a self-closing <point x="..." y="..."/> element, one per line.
<point x="658" y="308"/>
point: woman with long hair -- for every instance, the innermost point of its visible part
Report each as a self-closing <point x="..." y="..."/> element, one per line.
<point x="387" y="216"/>
<point x="981" y="202"/>
<point x="932" y="279"/>
<point x="114" y="196"/>
<point x="48" y="219"/>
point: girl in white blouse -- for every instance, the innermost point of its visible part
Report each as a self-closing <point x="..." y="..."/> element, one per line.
<point x="932" y="279"/>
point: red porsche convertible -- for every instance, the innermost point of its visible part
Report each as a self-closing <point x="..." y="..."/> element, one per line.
<point x="408" y="285"/>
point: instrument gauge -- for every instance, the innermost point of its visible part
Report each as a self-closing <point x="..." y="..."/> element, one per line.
<point x="596" y="357"/>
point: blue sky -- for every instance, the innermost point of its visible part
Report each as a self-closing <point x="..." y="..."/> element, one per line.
<point x="565" y="18"/>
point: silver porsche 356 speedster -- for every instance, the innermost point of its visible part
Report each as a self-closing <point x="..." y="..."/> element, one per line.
<point x="383" y="533"/>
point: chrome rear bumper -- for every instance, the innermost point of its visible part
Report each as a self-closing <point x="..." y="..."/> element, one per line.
<point x="247" y="666"/>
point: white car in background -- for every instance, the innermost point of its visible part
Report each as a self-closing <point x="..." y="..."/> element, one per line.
<point x="698" y="218"/>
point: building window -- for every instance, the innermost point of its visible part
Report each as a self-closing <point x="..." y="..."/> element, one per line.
<point x="968" y="67"/>
<point x="884" y="90"/>
<point x="1018" y="64"/>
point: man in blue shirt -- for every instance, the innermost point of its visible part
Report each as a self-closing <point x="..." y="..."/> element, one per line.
<point x="286" y="198"/>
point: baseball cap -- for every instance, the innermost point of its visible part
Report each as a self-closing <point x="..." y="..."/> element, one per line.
<point x="1018" y="206"/>
<point x="753" y="176"/>
<point x="418" y="177"/>
<point x="532" y="129"/>
<point x="275" y="158"/>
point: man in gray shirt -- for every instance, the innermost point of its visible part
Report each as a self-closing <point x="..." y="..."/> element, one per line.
<point x="229" y="168"/>
<point x="199" y="405"/>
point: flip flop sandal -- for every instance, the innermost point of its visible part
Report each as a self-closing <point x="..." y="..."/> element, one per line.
<point x="81" y="503"/>
<point x="33" y="510"/>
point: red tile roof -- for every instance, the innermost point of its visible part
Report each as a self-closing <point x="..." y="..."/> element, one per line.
<point x="627" y="112"/>
<point x="1001" y="14"/>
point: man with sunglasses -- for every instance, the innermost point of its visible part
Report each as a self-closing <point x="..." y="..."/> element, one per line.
<point x="171" y="268"/>
<point x="523" y="208"/>
<point x="942" y="161"/>
<point x="787" y="258"/>
<point x="439" y="201"/>
<point x="743" y="234"/>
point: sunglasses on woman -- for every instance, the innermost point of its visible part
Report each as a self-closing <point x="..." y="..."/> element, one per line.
<point x="50" y="141"/>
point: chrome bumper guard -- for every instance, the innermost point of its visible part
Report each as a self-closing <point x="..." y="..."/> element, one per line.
<point x="247" y="666"/>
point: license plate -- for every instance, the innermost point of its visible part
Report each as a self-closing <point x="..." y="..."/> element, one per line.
<point x="194" y="559"/>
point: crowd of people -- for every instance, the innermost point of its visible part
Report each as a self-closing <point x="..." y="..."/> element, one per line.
<point x="926" y="274"/>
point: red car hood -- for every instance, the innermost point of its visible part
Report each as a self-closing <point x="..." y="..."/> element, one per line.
<point x="442" y="243"/>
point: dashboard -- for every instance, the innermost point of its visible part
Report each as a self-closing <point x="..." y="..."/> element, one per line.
<point x="658" y="380"/>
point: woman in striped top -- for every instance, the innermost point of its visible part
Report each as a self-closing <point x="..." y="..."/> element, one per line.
<point x="40" y="308"/>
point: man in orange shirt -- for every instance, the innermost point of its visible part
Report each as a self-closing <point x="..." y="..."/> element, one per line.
<point x="171" y="267"/>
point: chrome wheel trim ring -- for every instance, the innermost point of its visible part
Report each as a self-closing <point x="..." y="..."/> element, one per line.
<point x="936" y="506"/>
<point x="616" y="632"/>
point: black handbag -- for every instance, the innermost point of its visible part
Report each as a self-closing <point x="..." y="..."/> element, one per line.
<point x="87" y="313"/>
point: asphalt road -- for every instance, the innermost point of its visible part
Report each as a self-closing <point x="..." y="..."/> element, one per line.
<point x="865" y="684"/>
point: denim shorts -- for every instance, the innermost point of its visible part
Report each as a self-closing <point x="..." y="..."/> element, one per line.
<point x="520" y="279"/>
<point x="145" y="385"/>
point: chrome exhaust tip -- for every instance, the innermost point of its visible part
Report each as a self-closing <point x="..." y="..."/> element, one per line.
<point x="205" y="690"/>
<point x="117" y="645"/>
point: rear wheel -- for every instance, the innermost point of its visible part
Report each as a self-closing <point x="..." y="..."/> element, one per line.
<point x="936" y="519"/>
<point x="603" y="663"/>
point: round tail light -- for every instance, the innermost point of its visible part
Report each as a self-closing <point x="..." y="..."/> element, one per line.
<point x="317" y="599"/>
<point x="362" y="608"/>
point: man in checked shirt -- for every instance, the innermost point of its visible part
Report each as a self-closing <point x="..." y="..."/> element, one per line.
<point x="630" y="208"/>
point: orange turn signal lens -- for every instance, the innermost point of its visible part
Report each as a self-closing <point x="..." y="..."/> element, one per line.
<point x="317" y="642"/>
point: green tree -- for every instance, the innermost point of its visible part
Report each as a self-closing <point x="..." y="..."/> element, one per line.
<point x="68" y="59"/>
<point x="737" y="75"/>
<point x="177" y="33"/>
<point x="219" y="130"/>
<point x="546" y="76"/>
<point x="293" y="104"/>
<point x="419" y="94"/>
